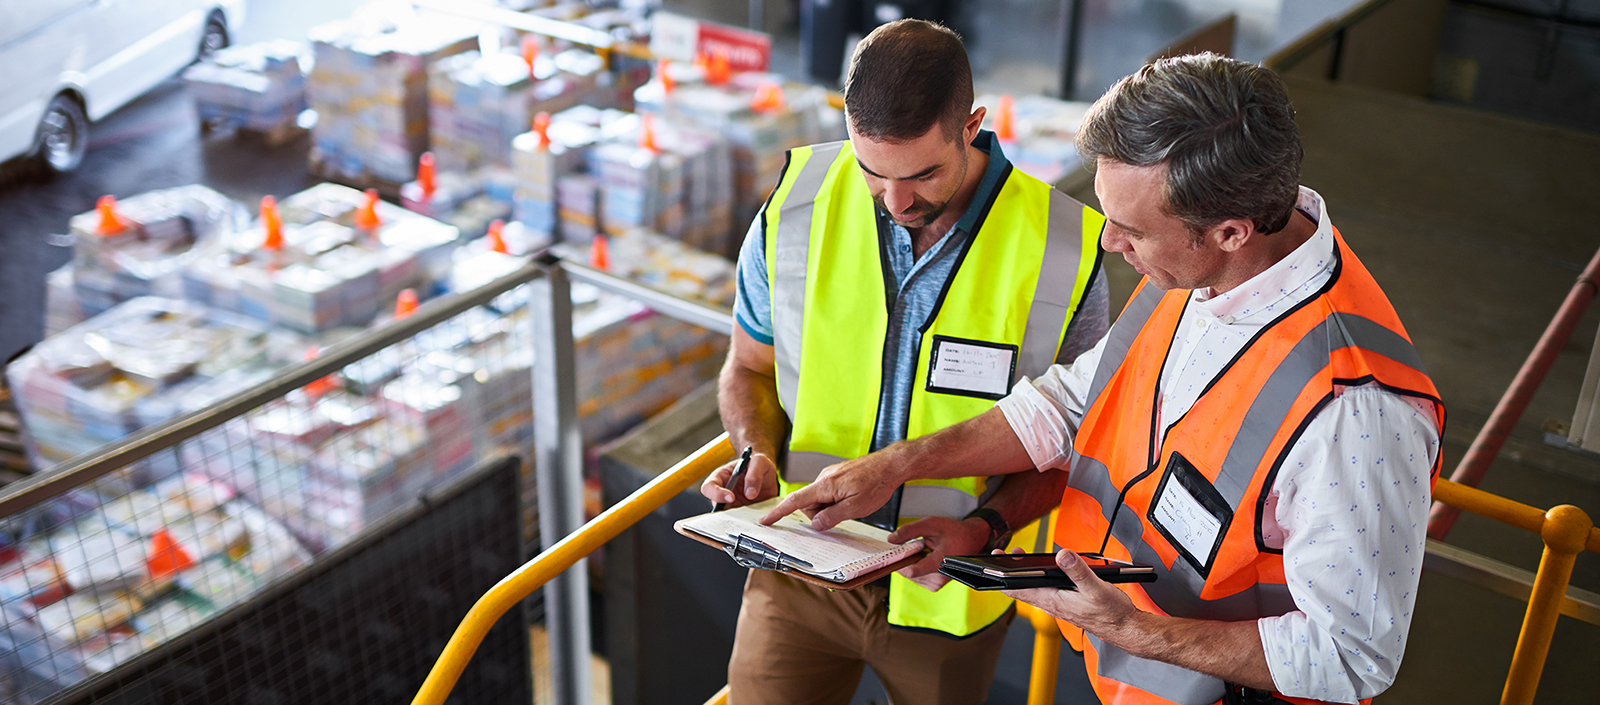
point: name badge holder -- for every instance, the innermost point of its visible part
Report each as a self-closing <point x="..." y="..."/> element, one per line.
<point x="971" y="368"/>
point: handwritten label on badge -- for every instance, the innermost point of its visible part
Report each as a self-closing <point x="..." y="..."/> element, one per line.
<point x="969" y="367"/>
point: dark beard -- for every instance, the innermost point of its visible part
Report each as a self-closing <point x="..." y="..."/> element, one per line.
<point x="929" y="212"/>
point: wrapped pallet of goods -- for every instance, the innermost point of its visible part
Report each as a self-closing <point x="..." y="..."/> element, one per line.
<point x="555" y="192"/>
<point x="330" y="256"/>
<point x="136" y="247"/>
<point x="88" y="582"/>
<point x="117" y="373"/>
<point x="1038" y="133"/>
<point x="467" y="201"/>
<point x="258" y="87"/>
<point x="369" y="87"/>
<point x="701" y="215"/>
<point x="761" y="116"/>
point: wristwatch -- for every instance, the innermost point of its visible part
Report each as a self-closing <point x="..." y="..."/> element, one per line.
<point x="999" y="531"/>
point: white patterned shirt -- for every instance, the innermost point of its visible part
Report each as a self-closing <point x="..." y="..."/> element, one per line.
<point x="1349" y="506"/>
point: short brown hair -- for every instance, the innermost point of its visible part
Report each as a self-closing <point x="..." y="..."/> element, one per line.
<point x="1224" y="128"/>
<point x="904" y="77"/>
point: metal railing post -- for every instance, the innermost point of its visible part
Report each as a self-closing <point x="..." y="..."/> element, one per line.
<point x="1565" y="533"/>
<point x="558" y="470"/>
<point x="1046" y="654"/>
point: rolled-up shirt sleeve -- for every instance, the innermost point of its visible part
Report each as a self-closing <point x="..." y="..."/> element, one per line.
<point x="752" y="298"/>
<point x="1351" y="508"/>
<point x="1045" y="413"/>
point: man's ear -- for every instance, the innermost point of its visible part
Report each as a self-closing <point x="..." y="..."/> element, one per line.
<point x="974" y="123"/>
<point x="1232" y="235"/>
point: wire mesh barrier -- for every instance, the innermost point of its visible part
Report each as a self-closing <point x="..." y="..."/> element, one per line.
<point x="364" y="624"/>
<point x="128" y="548"/>
<point x="220" y="495"/>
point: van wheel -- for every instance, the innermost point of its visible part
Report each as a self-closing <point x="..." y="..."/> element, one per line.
<point x="63" y="134"/>
<point x="215" y="37"/>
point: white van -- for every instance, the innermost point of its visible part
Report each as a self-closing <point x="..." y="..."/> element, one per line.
<point x="64" y="63"/>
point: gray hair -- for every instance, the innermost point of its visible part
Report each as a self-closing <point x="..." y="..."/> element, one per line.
<point x="1224" y="128"/>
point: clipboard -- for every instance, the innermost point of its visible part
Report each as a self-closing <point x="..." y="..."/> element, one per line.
<point x="756" y="554"/>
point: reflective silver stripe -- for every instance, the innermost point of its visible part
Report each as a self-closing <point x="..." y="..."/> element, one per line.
<point x="806" y="465"/>
<point x="1174" y="683"/>
<point x="1058" y="278"/>
<point x="936" y="501"/>
<point x="1132" y="319"/>
<point x="1177" y="587"/>
<point x="1271" y="406"/>
<point x="791" y="253"/>
<point x="1266" y="416"/>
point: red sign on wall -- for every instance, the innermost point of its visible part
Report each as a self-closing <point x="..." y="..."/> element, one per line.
<point x="747" y="50"/>
<point x="681" y="38"/>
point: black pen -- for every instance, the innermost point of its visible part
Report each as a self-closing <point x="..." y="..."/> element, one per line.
<point x="733" y="482"/>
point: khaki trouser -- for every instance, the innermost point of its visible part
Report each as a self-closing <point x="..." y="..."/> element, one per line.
<point x="800" y="644"/>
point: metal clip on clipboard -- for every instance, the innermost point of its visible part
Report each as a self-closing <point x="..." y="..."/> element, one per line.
<point x="754" y="553"/>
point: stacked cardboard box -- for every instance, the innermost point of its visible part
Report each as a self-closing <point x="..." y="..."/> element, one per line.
<point x="155" y="235"/>
<point x="761" y="123"/>
<point x="476" y="104"/>
<point x="369" y="86"/>
<point x="328" y="272"/>
<point x="255" y="87"/>
<point x="114" y="374"/>
<point x="1041" y="137"/>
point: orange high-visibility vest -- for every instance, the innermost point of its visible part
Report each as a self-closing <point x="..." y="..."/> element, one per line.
<point x="1224" y="452"/>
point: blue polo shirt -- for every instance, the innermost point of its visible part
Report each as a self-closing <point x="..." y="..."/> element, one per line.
<point x="917" y="283"/>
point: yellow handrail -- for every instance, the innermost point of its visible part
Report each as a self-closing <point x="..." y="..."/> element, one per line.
<point x="1566" y="531"/>
<point x="1046" y="654"/>
<point x="721" y="698"/>
<point x="558" y="558"/>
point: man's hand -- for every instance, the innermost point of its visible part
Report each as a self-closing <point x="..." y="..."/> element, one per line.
<point x="847" y="490"/>
<point x="1097" y="606"/>
<point x="760" y="482"/>
<point x="1231" y="651"/>
<point x="942" y="537"/>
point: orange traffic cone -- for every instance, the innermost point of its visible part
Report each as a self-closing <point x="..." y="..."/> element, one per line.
<point x="647" y="133"/>
<point x="318" y="388"/>
<point x="1005" y="120"/>
<point x="497" y="240"/>
<point x="367" y="215"/>
<point x="271" y="224"/>
<point x="541" y="126"/>
<point x="427" y="175"/>
<point x="111" y="222"/>
<point x="768" y="98"/>
<point x="530" y="52"/>
<point x="718" y="72"/>
<point x="664" y="76"/>
<point x="600" y="253"/>
<point x="405" y="304"/>
<point x="166" y="557"/>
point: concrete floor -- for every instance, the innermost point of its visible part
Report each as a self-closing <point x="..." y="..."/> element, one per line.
<point x="1475" y="224"/>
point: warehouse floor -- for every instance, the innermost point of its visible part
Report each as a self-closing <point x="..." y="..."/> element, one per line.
<point x="1476" y="225"/>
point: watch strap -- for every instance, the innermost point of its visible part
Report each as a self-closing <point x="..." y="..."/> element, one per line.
<point x="999" y="530"/>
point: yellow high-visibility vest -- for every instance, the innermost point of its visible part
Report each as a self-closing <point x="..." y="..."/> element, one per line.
<point x="1022" y="276"/>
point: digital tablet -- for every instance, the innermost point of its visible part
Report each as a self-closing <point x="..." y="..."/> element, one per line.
<point x="1016" y="571"/>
